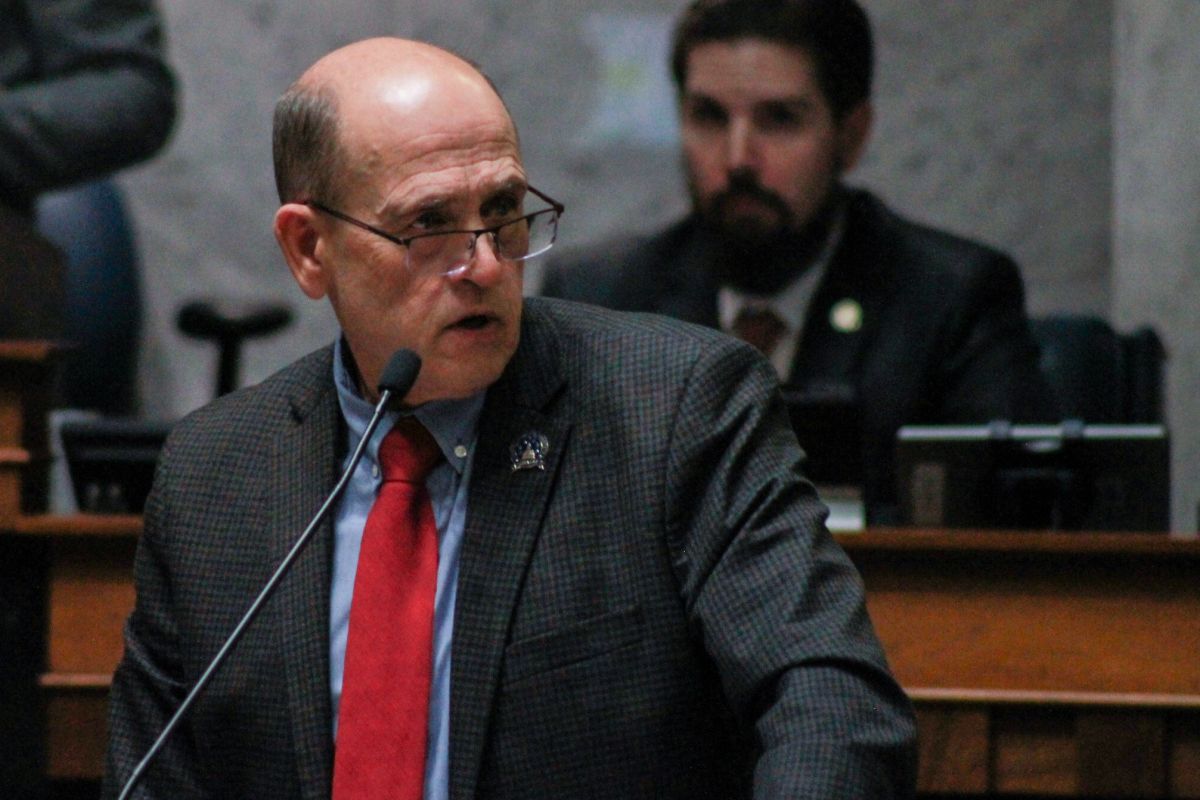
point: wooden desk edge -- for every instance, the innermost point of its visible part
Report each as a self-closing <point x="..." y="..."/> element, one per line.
<point x="77" y="525"/>
<point x="1017" y="543"/>
<point x="1022" y="697"/>
<point x="27" y="349"/>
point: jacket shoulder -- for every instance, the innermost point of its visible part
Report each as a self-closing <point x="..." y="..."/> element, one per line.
<point x="877" y="235"/>
<point x="627" y="273"/>
<point x="255" y="413"/>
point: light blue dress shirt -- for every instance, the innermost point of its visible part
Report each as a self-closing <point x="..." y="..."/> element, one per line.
<point x="454" y="425"/>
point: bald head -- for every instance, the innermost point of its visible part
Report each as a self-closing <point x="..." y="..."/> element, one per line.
<point x="339" y="104"/>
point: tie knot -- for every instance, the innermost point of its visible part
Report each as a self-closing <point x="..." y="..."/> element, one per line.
<point x="409" y="452"/>
<point x="761" y="327"/>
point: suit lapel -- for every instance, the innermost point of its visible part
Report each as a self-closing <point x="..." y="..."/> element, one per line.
<point x="506" y="507"/>
<point x="303" y="467"/>
<point x="683" y="280"/>
<point x="845" y="312"/>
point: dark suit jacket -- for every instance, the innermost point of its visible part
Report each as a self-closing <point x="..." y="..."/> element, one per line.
<point x="944" y="336"/>
<point x="660" y="613"/>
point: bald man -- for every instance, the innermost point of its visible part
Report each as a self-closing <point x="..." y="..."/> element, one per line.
<point x="635" y="593"/>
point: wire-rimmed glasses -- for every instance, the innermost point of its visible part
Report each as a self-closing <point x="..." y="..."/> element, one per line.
<point x="450" y="252"/>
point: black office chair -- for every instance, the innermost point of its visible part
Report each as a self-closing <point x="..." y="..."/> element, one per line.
<point x="1101" y="376"/>
<point x="227" y="322"/>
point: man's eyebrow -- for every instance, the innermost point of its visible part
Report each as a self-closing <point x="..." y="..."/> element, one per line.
<point x="399" y="211"/>
<point x="514" y="184"/>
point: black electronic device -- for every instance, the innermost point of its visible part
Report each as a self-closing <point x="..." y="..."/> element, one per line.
<point x="828" y="426"/>
<point x="1036" y="477"/>
<point x="111" y="462"/>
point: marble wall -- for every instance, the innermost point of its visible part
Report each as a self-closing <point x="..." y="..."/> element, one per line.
<point x="1021" y="124"/>
<point x="1156" y="209"/>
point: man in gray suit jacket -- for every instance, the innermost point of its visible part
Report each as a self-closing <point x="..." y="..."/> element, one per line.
<point x="636" y="594"/>
<point x="910" y="324"/>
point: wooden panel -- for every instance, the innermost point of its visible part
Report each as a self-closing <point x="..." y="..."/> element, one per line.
<point x="11" y="416"/>
<point x="953" y="749"/>
<point x="91" y="594"/>
<point x="1183" y="757"/>
<point x="10" y="485"/>
<point x="1035" y="617"/>
<point x="27" y="374"/>
<point x="1034" y="751"/>
<point x="76" y="732"/>
<point x="1122" y="754"/>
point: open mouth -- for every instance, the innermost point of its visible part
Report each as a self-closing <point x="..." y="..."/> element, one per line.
<point x="473" y="322"/>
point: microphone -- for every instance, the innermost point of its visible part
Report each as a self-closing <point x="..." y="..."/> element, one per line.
<point x="399" y="375"/>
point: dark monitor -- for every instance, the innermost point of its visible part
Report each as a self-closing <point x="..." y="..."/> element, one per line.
<point x="829" y="428"/>
<point x="111" y="462"/>
<point x="1059" y="477"/>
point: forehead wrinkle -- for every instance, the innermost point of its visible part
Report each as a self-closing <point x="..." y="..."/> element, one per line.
<point x="449" y="186"/>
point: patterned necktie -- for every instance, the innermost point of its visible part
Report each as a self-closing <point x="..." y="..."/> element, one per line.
<point x="761" y="327"/>
<point x="383" y="720"/>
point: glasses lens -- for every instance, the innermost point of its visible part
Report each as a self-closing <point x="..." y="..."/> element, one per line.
<point x="444" y="253"/>
<point x="528" y="236"/>
<point x="441" y="252"/>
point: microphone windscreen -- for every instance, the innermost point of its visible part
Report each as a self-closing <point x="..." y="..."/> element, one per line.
<point x="400" y="373"/>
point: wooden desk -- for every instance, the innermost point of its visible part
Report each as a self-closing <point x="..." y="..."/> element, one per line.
<point x="1040" y="664"/>
<point x="87" y="561"/>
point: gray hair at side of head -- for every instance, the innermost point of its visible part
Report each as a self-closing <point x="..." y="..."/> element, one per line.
<point x="305" y="144"/>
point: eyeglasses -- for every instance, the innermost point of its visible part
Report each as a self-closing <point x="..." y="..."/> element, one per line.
<point x="451" y="252"/>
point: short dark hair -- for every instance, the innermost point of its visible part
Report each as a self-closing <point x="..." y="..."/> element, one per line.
<point x="834" y="33"/>
<point x="305" y="145"/>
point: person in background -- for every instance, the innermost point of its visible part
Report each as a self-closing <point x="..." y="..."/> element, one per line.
<point x="84" y="91"/>
<point x="847" y="298"/>
<point x="577" y="560"/>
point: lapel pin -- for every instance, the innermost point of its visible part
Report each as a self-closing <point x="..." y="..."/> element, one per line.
<point x="529" y="452"/>
<point x="846" y="316"/>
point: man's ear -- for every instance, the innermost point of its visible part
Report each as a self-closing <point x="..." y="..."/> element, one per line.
<point x="853" y="132"/>
<point x="301" y="243"/>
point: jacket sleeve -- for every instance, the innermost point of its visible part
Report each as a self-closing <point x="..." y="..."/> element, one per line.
<point x="149" y="684"/>
<point x="99" y="97"/>
<point x="776" y="603"/>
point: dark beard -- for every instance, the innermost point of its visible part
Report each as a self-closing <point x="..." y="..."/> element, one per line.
<point x="757" y="259"/>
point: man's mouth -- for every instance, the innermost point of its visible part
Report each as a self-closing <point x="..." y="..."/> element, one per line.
<point x="473" y="322"/>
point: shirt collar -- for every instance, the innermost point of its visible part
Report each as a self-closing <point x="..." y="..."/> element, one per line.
<point x="453" y="423"/>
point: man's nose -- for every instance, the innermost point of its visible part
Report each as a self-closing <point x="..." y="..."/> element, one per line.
<point x="742" y="152"/>
<point x="484" y="265"/>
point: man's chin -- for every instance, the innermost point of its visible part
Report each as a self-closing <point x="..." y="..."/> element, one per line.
<point x="750" y="231"/>
<point x="746" y="239"/>
<point x="455" y="379"/>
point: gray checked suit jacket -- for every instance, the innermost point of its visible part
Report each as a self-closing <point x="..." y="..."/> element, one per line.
<point x="660" y="613"/>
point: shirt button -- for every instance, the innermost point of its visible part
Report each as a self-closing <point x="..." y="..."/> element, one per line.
<point x="460" y="451"/>
<point x="374" y="470"/>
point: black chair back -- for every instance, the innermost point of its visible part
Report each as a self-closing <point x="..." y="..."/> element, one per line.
<point x="1099" y="375"/>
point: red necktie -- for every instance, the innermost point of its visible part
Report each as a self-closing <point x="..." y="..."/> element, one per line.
<point x="383" y="720"/>
<point x="761" y="327"/>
